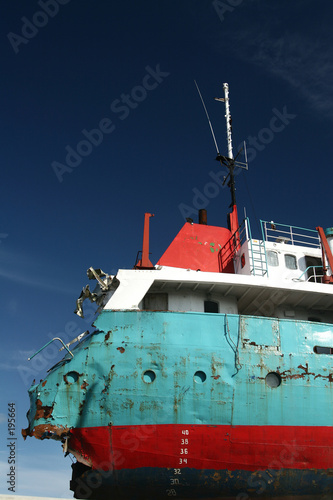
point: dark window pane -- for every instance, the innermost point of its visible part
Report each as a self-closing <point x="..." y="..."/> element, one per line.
<point x="211" y="307"/>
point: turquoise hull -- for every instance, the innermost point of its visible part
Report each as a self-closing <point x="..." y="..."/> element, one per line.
<point x="214" y="394"/>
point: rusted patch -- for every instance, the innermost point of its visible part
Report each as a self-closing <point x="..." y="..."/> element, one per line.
<point x="306" y="373"/>
<point x="215" y="377"/>
<point x="306" y="369"/>
<point x="150" y="405"/>
<point x="121" y="349"/>
<point x="128" y="404"/>
<point x="46" y="431"/>
<point x="108" y="380"/>
<point x="107" y="336"/>
<point x="84" y="385"/>
<point x="216" y="476"/>
<point x="42" y="411"/>
<point x="25" y="433"/>
<point x="43" y="384"/>
<point x="329" y="376"/>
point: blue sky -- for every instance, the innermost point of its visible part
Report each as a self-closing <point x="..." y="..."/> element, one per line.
<point x="128" y="69"/>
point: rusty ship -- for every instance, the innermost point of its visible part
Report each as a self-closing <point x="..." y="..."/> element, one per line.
<point x="207" y="374"/>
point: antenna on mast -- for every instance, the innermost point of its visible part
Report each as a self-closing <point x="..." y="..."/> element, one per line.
<point x="229" y="161"/>
<point x="211" y="127"/>
<point x="227" y="117"/>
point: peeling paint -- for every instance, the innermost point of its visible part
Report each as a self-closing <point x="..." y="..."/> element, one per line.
<point x="45" y="431"/>
<point x="42" y="411"/>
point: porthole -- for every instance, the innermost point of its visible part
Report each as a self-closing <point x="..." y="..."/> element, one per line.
<point x="273" y="380"/>
<point x="199" y="377"/>
<point x="71" y="377"/>
<point x="149" y="376"/>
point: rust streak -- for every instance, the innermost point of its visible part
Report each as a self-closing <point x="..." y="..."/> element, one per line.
<point x="329" y="377"/>
<point x="306" y="373"/>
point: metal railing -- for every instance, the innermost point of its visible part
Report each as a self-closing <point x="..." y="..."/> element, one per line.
<point x="282" y="233"/>
<point x="228" y="251"/>
<point x="315" y="277"/>
<point x="256" y="251"/>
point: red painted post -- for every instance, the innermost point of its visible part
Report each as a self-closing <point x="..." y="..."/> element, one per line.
<point x="329" y="256"/>
<point x="145" y="263"/>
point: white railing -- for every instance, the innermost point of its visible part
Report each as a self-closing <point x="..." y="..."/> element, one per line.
<point x="293" y="235"/>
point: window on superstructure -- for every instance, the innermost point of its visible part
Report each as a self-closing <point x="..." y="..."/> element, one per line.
<point x="272" y="258"/>
<point x="290" y="261"/>
<point x="211" y="307"/>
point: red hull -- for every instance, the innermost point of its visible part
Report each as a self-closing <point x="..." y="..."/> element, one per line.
<point x="223" y="447"/>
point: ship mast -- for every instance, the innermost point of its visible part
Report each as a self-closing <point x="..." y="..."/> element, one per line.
<point x="230" y="162"/>
<point x="228" y="120"/>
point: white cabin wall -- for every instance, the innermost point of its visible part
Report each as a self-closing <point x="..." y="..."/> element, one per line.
<point x="302" y="314"/>
<point x="195" y="302"/>
<point x="281" y="272"/>
<point x="237" y="262"/>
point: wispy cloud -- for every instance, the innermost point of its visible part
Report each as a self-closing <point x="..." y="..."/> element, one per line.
<point x="8" y="367"/>
<point x="31" y="281"/>
<point x="298" y="60"/>
<point x="300" y="57"/>
<point x="15" y="359"/>
<point x="26" y="270"/>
